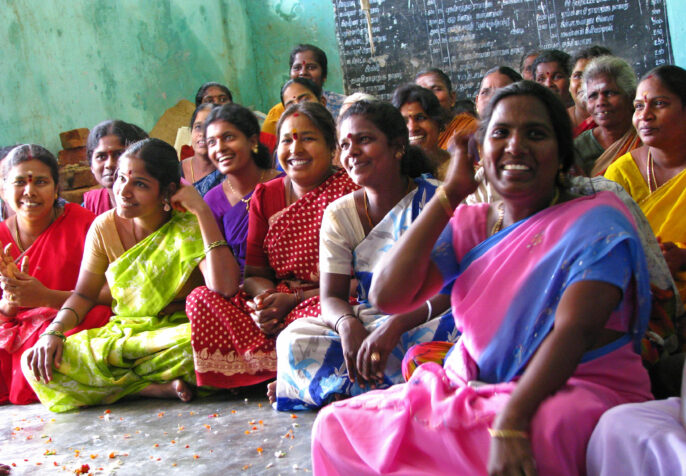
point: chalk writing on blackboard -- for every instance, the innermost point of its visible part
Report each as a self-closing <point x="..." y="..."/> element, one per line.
<point x="467" y="37"/>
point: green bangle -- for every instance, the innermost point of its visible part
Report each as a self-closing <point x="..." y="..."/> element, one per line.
<point x="54" y="333"/>
<point x="78" y="318"/>
<point x="215" y="244"/>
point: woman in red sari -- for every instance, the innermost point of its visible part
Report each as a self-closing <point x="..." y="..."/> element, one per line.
<point x="43" y="245"/>
<point x="234" y="340"/>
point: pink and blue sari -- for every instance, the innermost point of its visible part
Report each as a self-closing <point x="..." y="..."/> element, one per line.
<point x="507" y="288"/>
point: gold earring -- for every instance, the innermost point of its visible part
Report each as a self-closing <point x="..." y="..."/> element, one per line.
<point x="166" y="206"/>
<point x="255" y="148"/>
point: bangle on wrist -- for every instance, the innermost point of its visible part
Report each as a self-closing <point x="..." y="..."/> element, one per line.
<point x="299" y="295"/>
<point x="50" y="332"/>
<point x="508" y="434"/>
<point x="431" y="311"/>
<point x="215" y="244"/>
<point x="76" y="314"/>
<point x="444" y="201"/>
<point x="341" y="317"/>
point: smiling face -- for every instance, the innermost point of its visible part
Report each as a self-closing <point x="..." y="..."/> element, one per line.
<point x="606" y="102"/>
<point x="305" y="65"/>
<point x="575" y="82"/>
<point x="303" y="152"/>
<point x="552" y="75"/>
<point x="489" y="85"/>
<point x="520" y="151"/>
<point x="366" y="154"/>
<point x="436" y="85"/>
<point x="136" y="192"/>
<point x="197" y="135"/>
<point x="30" y="191"/>
<point x="424" y="131"/>
<point x="660" y="115"/>
<point x="228" y="148"/>
<point x="297" y="93"/>
<point x="105" y="159"/>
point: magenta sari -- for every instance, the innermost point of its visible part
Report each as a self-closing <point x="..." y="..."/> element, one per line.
<point x="504" y="299"/>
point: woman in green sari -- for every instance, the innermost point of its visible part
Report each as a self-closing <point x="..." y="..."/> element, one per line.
<point x="151" y="257"/>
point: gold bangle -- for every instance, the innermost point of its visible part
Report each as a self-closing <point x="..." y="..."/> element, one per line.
<point x="54" y="333"/>
<point x="508" y="434"/>
<point x="445" y="201"/>
<point x="215" y="244"/>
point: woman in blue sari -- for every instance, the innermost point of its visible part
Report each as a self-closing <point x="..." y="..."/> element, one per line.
<point x="320" y="359"/>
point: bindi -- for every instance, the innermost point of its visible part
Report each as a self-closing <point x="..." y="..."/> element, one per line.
<point x="295" y="134"/>
<point x="350" y="135"/>
<point x="29" y="178"/>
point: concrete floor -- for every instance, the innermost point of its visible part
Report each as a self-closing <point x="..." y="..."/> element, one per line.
<point x="223" y="434"/>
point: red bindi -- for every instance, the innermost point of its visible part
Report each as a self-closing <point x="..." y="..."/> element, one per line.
<point x="350" y="136"/>
<point x="295" y="134"/>
<point x="29" y="179"/>
<point x="295" y="114"/>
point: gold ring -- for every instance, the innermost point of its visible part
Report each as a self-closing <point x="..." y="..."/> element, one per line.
<point x="375" y="357"/>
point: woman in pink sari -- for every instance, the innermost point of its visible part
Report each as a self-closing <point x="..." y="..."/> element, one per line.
<point x="234" y="339"/>
<point x="46" y="241"/>
<point x="552" y="297"/>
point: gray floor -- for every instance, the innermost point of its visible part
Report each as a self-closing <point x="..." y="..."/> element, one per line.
<point x="221" y="434"/>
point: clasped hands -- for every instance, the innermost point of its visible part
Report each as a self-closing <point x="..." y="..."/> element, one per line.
<point x="20" y="289"/>
<point x="269" y="309"/>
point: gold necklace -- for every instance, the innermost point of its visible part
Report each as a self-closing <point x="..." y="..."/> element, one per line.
<point x="16" y="229"/>
<point x="244" y="200"/>
<point x="650" y="172"/>
<point x="192" y="171"/>
<point x="501" y="212"/>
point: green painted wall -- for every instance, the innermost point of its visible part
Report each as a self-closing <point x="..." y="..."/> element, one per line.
<point x="69" y="64"/>
<point x="676" y="12"/>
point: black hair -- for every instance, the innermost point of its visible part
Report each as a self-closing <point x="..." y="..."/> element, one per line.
<point x="308" y="83"/>
<point x="160" y="160"/>
<point x="391" y="123"/>
<point x="465" y="105"/>
<point x="319" y="57"/>
<point x="506" y="71"/>
<point x="127" y="134"/>
<point x="203" y="89"/>
<point x="318" y="115"/>
<point x="672" y="77"/>
<point x="25" y="152"/>
<point x="409" y="93"/>
<point x="553" y="56"/>
<point x="438" y="72"/>
<point x="245" y="121"/>
<point x="208" y="106"/>
<point x="526" y="55"/>
<point x="557" y="111"/>
<point x="592" y="51"/>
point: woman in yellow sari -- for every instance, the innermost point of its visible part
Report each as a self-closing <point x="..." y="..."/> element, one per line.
<point x="655" y="174"/>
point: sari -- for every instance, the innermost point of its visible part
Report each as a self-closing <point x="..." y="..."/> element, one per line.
<point x="663" y="207"/>
<point x="628" y="142"/>
<point x="208" y="182"/>
<point x="54" y="260"/>
<point x="229" y="349"/>
<point x="140" y="345"/>
<point x="462" y="122"/>
<point x="97" y="201"/>
<point x="504" y="299"/>
<point x="310" y="365"/>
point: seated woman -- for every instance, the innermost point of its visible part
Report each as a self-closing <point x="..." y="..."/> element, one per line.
<point x="551" y="295"/>
<point x="199" y="169"/>
<point x="306" y="61"/>
<point x="356" y="231"/>
<point x="578" y="114"/>
<point x="106" y="142"/>
<point x="151" y="257"/>
<point x="436" y="81"/>
<point x="654" y="174"/>
<point x="641" y="438"/>
<point x="231" y="133"/>
<point x="281" y="281"/>
<point x="46" y="240"/>
<point x="609" y="85"/>
<point x="425" y="120"/>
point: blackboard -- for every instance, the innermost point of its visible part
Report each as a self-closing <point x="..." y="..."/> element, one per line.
<point x="465" y="38"/>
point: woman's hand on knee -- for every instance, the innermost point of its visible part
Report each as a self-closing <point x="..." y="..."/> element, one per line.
<point x="352" y="334"/>
<point x="42" y="356"/>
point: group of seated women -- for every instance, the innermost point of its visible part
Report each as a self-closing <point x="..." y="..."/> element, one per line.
<point x="480" y="338"/>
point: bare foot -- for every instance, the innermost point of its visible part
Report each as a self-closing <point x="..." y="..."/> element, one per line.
<point x="174" y="389"/>
<point x="4" y="469"/>
<point x="271" y="391"/>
